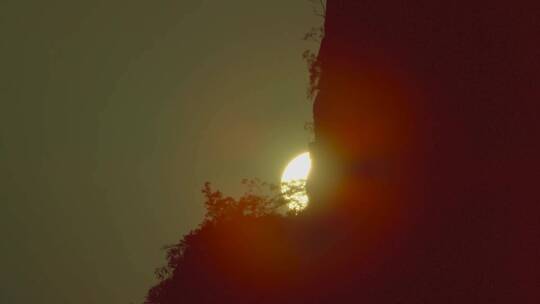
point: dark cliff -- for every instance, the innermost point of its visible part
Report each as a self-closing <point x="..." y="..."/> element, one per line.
<point x="426" y="123"/>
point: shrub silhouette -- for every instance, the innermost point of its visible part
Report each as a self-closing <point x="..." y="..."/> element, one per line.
<point x="234" y="252"/>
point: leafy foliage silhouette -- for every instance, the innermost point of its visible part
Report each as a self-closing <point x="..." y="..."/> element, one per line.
<point x="315" y="34"/>
<point x="205" y="259"/>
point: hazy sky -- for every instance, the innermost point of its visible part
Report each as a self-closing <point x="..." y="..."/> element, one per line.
<point x="112" y="116"/>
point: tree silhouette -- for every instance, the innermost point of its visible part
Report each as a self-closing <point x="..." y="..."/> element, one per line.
<point x="237" y="239"/>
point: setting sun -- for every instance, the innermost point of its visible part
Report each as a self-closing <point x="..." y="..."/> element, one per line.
<point x="293" y="181"/>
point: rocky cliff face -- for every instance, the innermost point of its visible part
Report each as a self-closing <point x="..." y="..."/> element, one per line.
<point x="426" y="118"/>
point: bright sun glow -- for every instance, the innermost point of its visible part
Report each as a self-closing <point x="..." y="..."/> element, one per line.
<point x="293" y="181"/>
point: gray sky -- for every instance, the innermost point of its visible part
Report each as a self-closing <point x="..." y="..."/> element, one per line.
<point x="112" y="116"/>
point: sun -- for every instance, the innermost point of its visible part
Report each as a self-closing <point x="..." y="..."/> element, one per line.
<point x="293" y="181"/>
